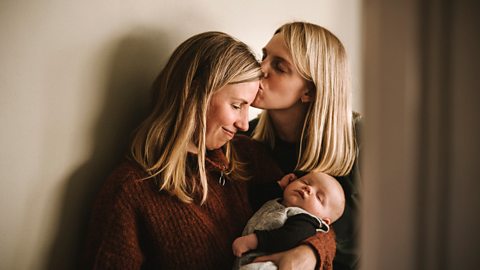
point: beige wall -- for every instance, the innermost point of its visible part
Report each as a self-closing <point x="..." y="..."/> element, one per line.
<point x="74" y="77"/>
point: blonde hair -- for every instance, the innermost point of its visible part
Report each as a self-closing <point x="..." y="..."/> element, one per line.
<point x="198" y="68"/>
<point x="327" y="140"/>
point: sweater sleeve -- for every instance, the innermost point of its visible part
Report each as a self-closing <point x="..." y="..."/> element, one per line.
<point x="296" y="229"/>
<point x="323" y="245"/>
<point x="113" y="240"/>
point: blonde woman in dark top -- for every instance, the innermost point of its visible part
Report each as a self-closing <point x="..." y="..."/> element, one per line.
<point x="308" y="123"/>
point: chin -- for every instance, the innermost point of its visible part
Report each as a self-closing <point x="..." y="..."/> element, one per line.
<point x="215" y="146"/>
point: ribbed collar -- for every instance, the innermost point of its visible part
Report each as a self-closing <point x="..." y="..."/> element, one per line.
<point x="215" y="160"/>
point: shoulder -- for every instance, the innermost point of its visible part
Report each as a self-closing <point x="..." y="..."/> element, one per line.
<point x="126" y="180"/>
<point x="127" y="172"/>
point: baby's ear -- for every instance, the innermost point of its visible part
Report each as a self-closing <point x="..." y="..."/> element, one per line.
<point x="328" y="221"/>
<point x="287" y="179"/>
<point x="291" y="177"/>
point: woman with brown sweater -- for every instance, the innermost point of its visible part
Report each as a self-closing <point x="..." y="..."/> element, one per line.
<point x="181" y="197"/>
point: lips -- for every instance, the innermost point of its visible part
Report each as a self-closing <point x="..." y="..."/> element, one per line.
<point x="229" y="133"/>
<point x="301" y="193"/>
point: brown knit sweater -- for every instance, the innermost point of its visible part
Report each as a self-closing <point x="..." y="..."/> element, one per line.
<point x="135" y="226"/>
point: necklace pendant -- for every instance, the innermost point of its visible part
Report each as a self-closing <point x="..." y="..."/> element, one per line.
<point x="221" y="180"/>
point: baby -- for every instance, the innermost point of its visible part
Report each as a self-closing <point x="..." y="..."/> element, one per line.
<point x="310" y="204"/>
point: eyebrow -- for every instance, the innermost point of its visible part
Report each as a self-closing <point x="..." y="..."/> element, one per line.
<point x="243" y="101"/>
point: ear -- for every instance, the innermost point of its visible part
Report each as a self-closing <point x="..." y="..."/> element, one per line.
<point x="328" y="221"/>
<point x="307" y="96"/>
<point x="309" y="93"/>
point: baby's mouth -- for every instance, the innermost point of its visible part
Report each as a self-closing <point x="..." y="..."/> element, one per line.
<point x="301" y="193"/>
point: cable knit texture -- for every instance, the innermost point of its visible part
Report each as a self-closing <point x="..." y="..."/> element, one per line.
<point x="134" y="226"/>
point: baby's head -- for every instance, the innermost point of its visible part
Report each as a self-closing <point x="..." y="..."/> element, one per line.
<point x="317" y="193"/>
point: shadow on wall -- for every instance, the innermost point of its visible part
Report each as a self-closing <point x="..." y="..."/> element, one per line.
<point x="135" y="62"/>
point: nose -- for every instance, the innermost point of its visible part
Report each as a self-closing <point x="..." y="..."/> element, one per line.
<point x="307" y="189"/>
<point x="242" y="121"/>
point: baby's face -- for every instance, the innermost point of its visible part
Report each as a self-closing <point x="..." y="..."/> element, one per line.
<point x="318" y="193"/>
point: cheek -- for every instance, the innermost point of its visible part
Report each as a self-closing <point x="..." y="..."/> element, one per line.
<point x="313" y="207"/>
<point x="287" y="88"/>
<point x="293" y="87"/>
<point x="212" y="118"/>
<point x="218" y="116"/>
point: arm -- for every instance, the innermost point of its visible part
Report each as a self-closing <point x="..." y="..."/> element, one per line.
<point x="244" y="244"/>
<point x="113" y="241"/>
<point x="317" y="252"/>
<point x="301" y="257"/>
<point x="296" y="229"/>
<point x="323" y="246"/>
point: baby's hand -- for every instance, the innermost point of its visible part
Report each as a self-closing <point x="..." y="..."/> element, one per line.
<point x="286" y="180"/>
<point x="244" y="244"/>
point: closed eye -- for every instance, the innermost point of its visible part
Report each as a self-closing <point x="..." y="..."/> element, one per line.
<point x="321" y="197"/>
<point x="278" y="65"/>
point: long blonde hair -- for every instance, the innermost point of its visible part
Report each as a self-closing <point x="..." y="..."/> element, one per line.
<point x="198" y="68"/>
<point x="327" y="141"/>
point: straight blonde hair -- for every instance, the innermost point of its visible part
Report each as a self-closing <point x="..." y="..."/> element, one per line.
<point x="198" y="68"/>
<point x="327" y="141"/>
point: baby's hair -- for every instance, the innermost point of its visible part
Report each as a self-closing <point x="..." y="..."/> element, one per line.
<point x="299" y="173"/>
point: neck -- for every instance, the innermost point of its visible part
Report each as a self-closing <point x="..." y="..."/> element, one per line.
<point x="288" y="123"/>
